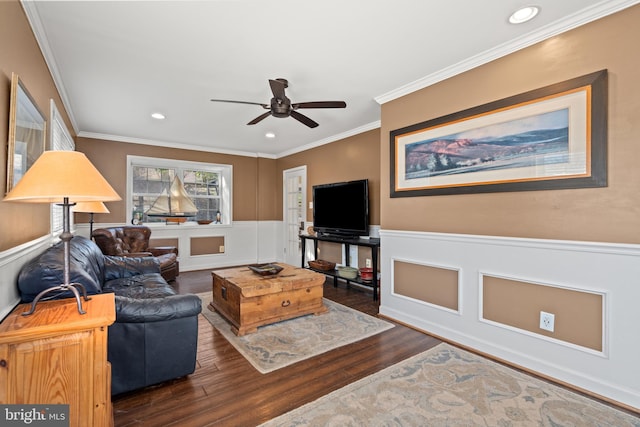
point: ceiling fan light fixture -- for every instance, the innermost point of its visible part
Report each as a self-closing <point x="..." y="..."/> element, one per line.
<point x="524" y="14"/>
<point x="158" y="116"/>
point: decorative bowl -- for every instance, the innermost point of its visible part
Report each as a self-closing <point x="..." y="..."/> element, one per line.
<point x="347" y="272"/>
<point x="204" y="221"/>
<point x="266" y="269"/>
<point x="366" y="273"/>
<point x="322" y="265"/>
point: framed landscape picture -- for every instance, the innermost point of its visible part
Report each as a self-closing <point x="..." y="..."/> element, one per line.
<point x="549" y="138"/>
<point x="27" y="132"/>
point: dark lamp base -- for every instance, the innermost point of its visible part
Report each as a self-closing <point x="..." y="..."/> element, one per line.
<point x="64" y="287"/>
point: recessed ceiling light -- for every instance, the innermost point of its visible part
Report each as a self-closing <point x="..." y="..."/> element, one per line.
<point x="158" y="116"/>
<point x="270" y="135"/>
<point x="524" y="14"/>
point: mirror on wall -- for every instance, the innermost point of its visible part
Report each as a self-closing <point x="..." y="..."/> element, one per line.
<point x="27" y="132"/>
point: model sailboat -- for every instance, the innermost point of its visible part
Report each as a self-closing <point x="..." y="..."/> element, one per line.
<point x="174" y="205"/>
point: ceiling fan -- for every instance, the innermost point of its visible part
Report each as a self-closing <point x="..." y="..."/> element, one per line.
<point x="281" y="106"/>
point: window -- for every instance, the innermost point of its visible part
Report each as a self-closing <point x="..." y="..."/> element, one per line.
<point x="60" y="140"/>
<point x="208" y="185"/>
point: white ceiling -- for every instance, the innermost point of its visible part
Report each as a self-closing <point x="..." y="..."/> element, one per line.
<point x="116" y="62"/>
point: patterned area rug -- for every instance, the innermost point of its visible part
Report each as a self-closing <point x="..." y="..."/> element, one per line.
<point x="284" y="343"/>
<point x="446" y="386"/>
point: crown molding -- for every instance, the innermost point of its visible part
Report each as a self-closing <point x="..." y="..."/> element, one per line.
<point x="31" y="11"/>
<point x="593" y="13"/>
<point x="167" y="144"/>
<point x="183" y="146"/>
<point x="333" y="138"/>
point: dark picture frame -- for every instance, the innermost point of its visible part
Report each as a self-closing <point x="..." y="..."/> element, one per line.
<point x="549" y="138"/>
<point x="27" y="132"/>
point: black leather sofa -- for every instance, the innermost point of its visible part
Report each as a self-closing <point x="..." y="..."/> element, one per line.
<point x="154" y="338"/>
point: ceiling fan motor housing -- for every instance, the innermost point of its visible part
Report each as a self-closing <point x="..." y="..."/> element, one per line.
<point x="280" y="107"/>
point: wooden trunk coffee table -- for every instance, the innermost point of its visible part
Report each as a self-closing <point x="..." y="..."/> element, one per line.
<point x="249" y="300"/>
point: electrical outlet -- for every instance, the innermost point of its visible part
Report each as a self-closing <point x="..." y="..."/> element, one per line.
<point x="221" y="249"/>
<point x="367" y="263"/>
<point x="547" y="321"/>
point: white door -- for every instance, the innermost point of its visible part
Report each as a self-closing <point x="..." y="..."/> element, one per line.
<point x="294" y="196"/>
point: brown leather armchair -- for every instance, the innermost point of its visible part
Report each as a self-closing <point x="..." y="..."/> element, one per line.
<point x="133" y="241"/>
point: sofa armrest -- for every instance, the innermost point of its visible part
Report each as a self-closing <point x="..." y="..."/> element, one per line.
<point x="132" y="310"/>
<point x="161" y="250"/>
<point x="137" y="254"/>
<point x="116" y="267"/>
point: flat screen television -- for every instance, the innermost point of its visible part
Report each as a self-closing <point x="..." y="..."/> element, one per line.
<point x="341" y="208"/>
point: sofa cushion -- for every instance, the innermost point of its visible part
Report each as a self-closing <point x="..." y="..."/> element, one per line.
<point x="46" y="270"/>
<point x="117" y="267"/>
<point x="143" y="286"/>
<point x="132" y="310"/>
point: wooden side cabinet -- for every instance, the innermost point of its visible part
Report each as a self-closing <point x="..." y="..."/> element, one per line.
<point x="59" y="356"/>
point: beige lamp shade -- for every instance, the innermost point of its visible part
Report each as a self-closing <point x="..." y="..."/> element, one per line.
<point x="57" y="175"/>
<point x="65" y="178"/>
<point x="90" y="207"/>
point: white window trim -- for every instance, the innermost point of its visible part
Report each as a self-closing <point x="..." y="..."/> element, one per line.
<point x="59" y="133"/>
<point x="226" y="183"/>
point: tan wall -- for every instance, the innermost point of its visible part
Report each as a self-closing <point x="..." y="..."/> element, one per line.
<point x="268" y="207"/>
<point x="602" y="214"/>
<point x="111" y="160"/>
<point x="352" y="158"/>
<point x="20" y="54"/>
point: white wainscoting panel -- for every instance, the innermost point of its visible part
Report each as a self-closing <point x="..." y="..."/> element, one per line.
<point x="613" y="269"/>
<point x="11" y="261"/>
<point x="245" y="242"/>
<point x="270" y="241"/>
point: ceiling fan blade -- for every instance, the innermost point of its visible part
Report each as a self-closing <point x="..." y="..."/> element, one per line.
<point x="303" y="119"/>
<point x="319" y="104"/>
<point x="277" y="88"/>
<point x="260" y="118"/>
<point x="265" y="106"/>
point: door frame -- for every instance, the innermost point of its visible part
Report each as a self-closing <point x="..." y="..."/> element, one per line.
<point x="297" y="171"/>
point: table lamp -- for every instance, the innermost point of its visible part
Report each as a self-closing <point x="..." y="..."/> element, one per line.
<point x="90" y="208"/>
<point x="58" y="177"/>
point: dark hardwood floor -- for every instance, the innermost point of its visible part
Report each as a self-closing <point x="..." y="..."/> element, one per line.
<point x="225" y="390"/>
